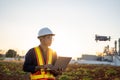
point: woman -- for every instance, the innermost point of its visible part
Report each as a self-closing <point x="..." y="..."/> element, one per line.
<point x="40" y="60"/>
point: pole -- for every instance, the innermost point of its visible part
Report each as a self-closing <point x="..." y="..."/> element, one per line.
<point x="119" y="47"/>
<point x="115" y="47"/>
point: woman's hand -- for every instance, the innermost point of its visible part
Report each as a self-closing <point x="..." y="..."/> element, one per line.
<point x="54" y="70"/>
<point x="48" y="66"/>
<point x="37" y="68"/>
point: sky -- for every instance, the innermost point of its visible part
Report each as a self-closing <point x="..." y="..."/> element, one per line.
<point x="75" y="23"/>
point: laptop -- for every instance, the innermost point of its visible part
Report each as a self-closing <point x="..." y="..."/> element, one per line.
<point x="62" y="62"/>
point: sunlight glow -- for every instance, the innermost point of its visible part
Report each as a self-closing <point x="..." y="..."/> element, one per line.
<point x="75" y="24"/>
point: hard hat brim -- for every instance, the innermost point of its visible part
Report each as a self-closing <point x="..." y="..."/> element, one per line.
<point x="46" y="35"/>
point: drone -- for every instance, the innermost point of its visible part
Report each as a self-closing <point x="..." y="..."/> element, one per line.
<point x="102" y="38"/>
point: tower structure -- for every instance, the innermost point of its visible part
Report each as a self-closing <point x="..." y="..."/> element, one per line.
<point x="119" y="46"/>
<point x="115" y="47"/>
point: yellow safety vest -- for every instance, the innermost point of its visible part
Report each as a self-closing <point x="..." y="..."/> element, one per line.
<point x="40" y="61"/>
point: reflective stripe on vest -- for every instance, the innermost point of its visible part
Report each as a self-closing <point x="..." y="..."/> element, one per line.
<point x="39" y="56"/>
<point x="40" y="61"/>
<point x="42" y="75"/>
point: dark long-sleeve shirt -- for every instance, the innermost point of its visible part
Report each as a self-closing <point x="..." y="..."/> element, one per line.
<point x="31" y="60"/>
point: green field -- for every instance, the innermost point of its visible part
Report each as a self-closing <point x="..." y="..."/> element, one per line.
<point x="13" y="71"/>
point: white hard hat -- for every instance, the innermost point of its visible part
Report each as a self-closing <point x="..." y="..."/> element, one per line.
<point x="45" y="31"/>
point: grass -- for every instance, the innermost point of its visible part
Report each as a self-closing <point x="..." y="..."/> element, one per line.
<point x="13" y="71"/>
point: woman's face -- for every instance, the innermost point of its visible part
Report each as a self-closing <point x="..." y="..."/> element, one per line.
<point x="47" y="40"/>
